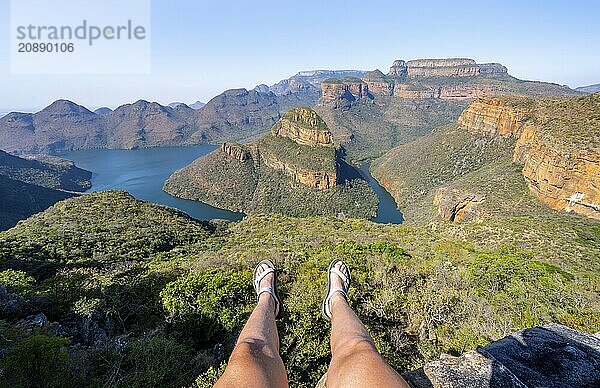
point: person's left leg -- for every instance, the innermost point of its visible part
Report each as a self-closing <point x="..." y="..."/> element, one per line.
<point x="255" y="361"/>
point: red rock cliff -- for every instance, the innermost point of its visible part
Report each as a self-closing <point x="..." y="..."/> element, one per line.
<point x="564" y="178"/>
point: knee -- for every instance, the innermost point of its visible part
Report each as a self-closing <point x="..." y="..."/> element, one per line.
<point x="252" y="351"/>
<point x="246" y="351"/>
<point x="356" y="346"/>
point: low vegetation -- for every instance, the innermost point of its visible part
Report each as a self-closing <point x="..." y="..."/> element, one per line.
<point x="119" y="310"/>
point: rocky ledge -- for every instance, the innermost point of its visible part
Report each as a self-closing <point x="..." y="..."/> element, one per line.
<point x="557" y="142"/>
<point x="450" y="67"/>
<point x="548" y="356"/>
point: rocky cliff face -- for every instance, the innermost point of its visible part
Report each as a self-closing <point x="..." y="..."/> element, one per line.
<point x="491" y="117"/>
<point x="456" y="206"/>
<point x="548" y="356"/>
<point x="303" y="126"/>
<point x="557" y="142"/>
<point x="564" y="181"/>
<point x="451" y="67"/>
<point x="236" y="151"/>
<point x="343" y="92"/>
<point x="322" y="180"/>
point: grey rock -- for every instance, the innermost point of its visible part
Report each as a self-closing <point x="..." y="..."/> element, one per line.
<point x="31" y="322"/>
<point x="471" y="370"/>
<point x="10" y="303"/>
<point x="549" y="356"/>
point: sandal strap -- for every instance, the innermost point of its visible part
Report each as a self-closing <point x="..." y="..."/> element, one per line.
<point x="342" y="276"/>
<point x="332" y="292"/>
<point x="263" y="275"/>
<point x="270" y="291"/>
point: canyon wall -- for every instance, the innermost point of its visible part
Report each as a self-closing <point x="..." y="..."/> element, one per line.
<point x="322" y="180"/>
<point x="490" y="117"/>
<point x="450" y="67"/>
<point x="563" y="181"/>
<point x="562" y="178"/>
<point x="236" y="151"/>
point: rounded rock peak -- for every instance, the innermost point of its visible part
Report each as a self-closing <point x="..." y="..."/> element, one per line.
<point x="304" y="126"/>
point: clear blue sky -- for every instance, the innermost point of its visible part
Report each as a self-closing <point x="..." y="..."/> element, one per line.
<point x="200" y="48"/>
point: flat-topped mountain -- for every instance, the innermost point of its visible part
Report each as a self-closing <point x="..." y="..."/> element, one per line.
<point x="458" y="67"/>
<point x="294" y="170"/>
<point x="375" y="112"/>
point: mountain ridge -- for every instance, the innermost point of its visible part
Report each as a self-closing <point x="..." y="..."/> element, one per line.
<point x="401" y="103"/>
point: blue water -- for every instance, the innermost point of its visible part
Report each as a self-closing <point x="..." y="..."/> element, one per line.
<point x="142" y="172"/>
<point x="387" y="209"/>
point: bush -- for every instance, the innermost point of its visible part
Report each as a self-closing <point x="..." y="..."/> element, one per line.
<point x="210" y="301"/>
<point x="38" y="361"/>
<point x="16" y="281"/>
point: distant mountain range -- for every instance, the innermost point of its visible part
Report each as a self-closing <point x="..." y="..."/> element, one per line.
<point x="589" y="89"/>
<point x="196" y="105"/>
<point x="393" y="108"/>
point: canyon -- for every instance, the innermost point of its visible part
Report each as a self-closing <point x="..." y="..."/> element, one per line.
<point x="295" y="169"/>
<point x="561" y="166"/>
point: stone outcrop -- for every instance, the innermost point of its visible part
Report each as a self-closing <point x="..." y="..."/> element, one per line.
<point x="343" y="92"/>
<point x="378" y="84"/>
<point x="236" y="151"/>
<point x="304" y="126"/>
<point x="563" y="179"/>
<point x="456" y="206"/>
<point x="451" y="67"/>
<point x="322" y="180"/>
<point x="547" y="356"/>
<point x="491" y="117"/>
<point x="307" y="129"/>
<point x="398" y="69"/>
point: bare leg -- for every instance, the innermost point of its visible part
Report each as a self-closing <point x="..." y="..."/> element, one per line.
<point x="355" y="361"/>
<point x="255" y="361"/>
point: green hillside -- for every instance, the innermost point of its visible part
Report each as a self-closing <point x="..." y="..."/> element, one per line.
<point x="20" y="200"/>
<point x="141" y="295"/>
<point x="280" y="174"/>
<point x="28" y="186"/>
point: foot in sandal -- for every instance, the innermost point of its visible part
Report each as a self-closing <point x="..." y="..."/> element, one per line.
<point x="338" y="284"/>
<point x="265" y="281"/>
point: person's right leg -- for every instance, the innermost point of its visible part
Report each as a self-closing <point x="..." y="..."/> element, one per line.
<point x="355" y="362"/>
<point x="255" y="361"/>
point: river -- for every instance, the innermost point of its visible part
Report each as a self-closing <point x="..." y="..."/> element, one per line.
<point x="142" y="172"/>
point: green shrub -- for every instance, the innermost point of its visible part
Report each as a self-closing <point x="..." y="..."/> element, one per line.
<point x="213" y="300"/>
<point x="16" y="281"/>
<point x="38" y="361"/>
<point x="209" y="378"/>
